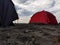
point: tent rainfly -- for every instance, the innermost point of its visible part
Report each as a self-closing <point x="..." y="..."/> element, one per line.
<point x="43" y="17"/>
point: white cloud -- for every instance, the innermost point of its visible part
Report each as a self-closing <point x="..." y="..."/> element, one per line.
<point x="23" y="19"/>
<point x="29" y="7"/>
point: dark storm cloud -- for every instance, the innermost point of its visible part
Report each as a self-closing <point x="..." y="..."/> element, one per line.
<point x="22" y="1"/>
<point x="26" y="13"/>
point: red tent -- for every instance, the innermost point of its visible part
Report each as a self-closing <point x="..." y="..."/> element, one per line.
<point x="43" y="17"/>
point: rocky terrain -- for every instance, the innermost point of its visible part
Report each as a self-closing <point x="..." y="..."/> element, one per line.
<point x="30" y="34"/>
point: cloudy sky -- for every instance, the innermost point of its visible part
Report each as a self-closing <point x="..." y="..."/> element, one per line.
<point x="26" y="8"/>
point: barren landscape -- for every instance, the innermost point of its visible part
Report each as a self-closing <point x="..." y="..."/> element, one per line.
<point x="30" y="34"/>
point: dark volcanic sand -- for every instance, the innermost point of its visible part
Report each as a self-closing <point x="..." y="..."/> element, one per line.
<point x="30" y="34"/>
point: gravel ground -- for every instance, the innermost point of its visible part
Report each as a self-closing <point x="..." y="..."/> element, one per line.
<point x="30" y="34"/>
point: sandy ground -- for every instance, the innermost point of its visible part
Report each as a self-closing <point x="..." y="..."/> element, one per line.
<point x="30" y="34"/>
